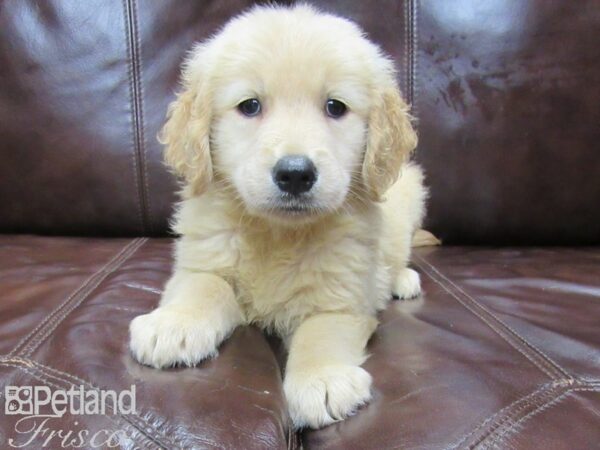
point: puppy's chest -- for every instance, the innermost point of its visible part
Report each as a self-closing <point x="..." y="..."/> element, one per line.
<point x="282" y="279"/>
<point x="270" y="272"/>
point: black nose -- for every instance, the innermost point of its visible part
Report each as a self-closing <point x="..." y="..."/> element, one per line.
<point x="294" y="174"/>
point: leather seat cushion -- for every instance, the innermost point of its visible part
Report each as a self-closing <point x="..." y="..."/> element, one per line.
<point x="502" y="349"/>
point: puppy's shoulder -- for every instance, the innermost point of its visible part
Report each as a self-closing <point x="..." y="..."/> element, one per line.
<point x="201" y="216"/>
<point x="208" y="238"/>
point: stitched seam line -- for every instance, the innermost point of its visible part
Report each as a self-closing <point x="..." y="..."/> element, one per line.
<point x="499" y="332"/>
<point x="137" y="117"/>
<point x="81" y="296"/>
<point x="78" y="300"/>
<point x="511" y="427"/>
<point x="142" y="128"/>
<point x="510" y="419"/>
<point x="406" y="50"/>
<point x="563" y="372"/>
<point x="413" y="55"/>
<point x="410" y="51"/>
<point x="77" y="291"/>
<point x="507" y="415"/>
<point x="117" y="419"/>
<point x="409" y="43"/>
<point x="530" y="351"/>
<point x="504" y="411"/>
<point x="491" y="443"/>
<point x="54" y="312"/>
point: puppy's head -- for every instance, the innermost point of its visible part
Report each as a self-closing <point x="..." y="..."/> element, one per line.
<point x="292" y="112"/>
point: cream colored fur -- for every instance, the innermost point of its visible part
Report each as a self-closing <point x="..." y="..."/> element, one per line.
<point x="317" y="278"/>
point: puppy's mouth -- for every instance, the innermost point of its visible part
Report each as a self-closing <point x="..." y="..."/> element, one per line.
<point x="294" y="208"/>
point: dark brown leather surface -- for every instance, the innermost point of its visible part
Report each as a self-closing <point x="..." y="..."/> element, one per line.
<point x="501" y="341"/>
<point x="65" y="308"/>
<point x="501" y="351"/>
<point x="84" y="89"/>
<point x="507" y="98"/>
<point x="505" y="93"/>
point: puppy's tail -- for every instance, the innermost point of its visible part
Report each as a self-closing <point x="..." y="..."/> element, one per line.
<point x="423" y="238"/>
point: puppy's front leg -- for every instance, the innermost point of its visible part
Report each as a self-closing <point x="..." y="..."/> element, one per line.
<point x="197" y="311"/>
<point x="324" y="381"/>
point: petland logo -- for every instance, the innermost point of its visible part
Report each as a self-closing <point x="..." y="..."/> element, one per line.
<point x="36" y="400"/>
<point x="39" y="406"/>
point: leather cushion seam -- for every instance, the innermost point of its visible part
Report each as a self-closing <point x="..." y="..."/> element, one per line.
<point x="527" y="349"/>
<point x="138" y="148"/>
<point x="142" y="122"/>
<point x="59" y="318"/>
<point x="488" y="322"/>
<point x="504" y="411"/>
<point x="497" y="421"/>
<point x="500" y="435"/>
<point x="35" y="337"/>
<point x="407" y="73"/>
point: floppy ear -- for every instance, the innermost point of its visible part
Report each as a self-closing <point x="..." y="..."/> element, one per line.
<point x="390" y="140"/>
<point x="186" y="134"/>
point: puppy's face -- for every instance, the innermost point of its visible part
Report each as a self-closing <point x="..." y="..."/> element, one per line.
<point x="293" y="110"/>
<point x="290" y="125"/>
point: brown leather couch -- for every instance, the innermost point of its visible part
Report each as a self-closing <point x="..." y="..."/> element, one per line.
<point x="501" y="351"/>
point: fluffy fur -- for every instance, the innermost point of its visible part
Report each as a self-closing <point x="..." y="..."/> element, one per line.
<point x="317" y="276"/>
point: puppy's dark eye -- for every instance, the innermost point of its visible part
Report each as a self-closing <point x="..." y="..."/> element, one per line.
<point x="335" y="108"/>
<point x="250" y="107"/>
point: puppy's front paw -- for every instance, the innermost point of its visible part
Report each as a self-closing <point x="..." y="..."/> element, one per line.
<point x="407" y="285"/>
<point x="321" y="396"/>
<point x="167" y="337"/>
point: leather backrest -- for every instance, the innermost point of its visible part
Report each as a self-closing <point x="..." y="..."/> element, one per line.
<point x="84" y="88"/>
<point x="506" y="96"/>
<point x="508" y="99"/>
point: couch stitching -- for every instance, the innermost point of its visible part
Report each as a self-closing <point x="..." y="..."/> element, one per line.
<point x="83" y="294"/>
<point x="506" y="433"/>
<point x="535" y="398"/>
<point x="505" y="410"/>
<point x="488" y="323"/>
<point x="509" y="415"/>
<point x="501" y="436"/>
<point x="406" y="50"/>
<point x="137" y="119"/>
<point x="414" y="55"/>
<point x="43" y="378"/>
<point x="551" y="364"/>
<point x="409" y="49"/>
<point x="142" y="122"/>
<point x="64" y="303"/>
<point x="590" y="380"/>
<point x="133" y="116"/>
<point x="549" y="360"/>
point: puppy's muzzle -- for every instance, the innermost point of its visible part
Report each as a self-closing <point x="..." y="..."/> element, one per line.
<point x="294" y="174"/>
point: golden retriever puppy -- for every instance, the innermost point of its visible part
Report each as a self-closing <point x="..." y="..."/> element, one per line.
<point x="290" y="134"/>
